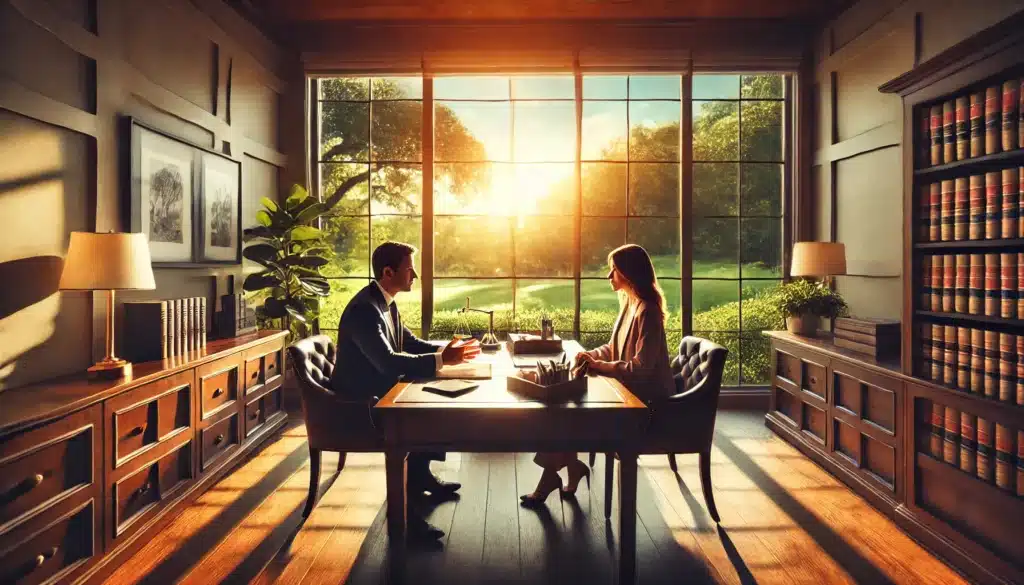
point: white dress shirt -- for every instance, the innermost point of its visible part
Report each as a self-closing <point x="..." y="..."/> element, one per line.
<point x="388" y="300"/>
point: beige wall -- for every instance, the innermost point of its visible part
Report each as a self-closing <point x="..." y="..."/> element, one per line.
<point x="191" y="68"/>
<point x="857" y="176"/>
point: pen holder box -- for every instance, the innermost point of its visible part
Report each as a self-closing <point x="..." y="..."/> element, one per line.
<point x="521" y="344"/>
<point x="569" y="391"/>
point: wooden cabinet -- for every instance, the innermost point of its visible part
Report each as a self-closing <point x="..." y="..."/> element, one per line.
<point x="89" y="469"/>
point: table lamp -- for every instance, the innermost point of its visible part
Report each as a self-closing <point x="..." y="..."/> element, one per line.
<point x="824" y="259"/>
<point x="108" y="262"/>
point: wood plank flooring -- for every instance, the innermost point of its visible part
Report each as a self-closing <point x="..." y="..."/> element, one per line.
<point x="784" y="521"/>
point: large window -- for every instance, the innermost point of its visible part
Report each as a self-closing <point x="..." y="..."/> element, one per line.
<point x="535" y="179"/>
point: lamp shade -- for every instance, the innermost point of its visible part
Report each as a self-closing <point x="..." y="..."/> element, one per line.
<point x="107" y="262"/>
<point x="818" y="259"/>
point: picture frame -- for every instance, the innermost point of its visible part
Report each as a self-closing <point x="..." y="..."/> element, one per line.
<point x="171" y="188"/>
<point x="219" y="224"/>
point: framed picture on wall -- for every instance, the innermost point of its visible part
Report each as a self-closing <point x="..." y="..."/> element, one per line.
<point x="163" y="193"/>
<point x="185" y="198"/>
<point x="220" y="210"/>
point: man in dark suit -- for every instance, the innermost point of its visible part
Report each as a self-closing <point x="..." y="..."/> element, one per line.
<point x="375" y="350"/>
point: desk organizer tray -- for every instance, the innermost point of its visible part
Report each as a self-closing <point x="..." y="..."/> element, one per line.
<point x="573" y="390"/>
<point x="531" y="344"/>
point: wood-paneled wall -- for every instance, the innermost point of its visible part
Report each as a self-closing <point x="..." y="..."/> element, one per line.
<point x="69" y="69"/>
<point x="856" y="176"/>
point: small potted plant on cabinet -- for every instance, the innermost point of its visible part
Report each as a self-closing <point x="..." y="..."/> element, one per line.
<point x="803" y="302"/>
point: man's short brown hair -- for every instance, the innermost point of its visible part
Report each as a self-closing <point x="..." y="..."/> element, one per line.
<point x="389" y="255"/>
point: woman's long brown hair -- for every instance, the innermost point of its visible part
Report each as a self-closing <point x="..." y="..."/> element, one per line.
<point x="634" y="264"/>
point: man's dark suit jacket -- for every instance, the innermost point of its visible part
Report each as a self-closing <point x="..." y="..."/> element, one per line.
<point x="370" y="359"/>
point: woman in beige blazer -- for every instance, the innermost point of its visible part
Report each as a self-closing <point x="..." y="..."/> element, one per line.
<point x="636" y="355"/>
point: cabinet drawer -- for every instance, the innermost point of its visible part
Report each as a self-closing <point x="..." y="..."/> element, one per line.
<point x="814" y="378"/>
<point x="42" y="466"/>
<point x="218" y="390"/>
<point x="143" y="417"/>
<point x="253" y="372"/>
<point x="143" y="491"/>
<point x="272" y="365"/>
<point x="787" y="366"/>
<point x="273" y="403"/>
<point x="261" y="410"/>
<point x="134" y="429"/>
<point x="47" y="550"/>
<point x="218" y="439"/>
<point x="262" y="367"/>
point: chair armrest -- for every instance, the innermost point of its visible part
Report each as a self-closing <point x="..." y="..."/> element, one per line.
<point x="696" y="393"/>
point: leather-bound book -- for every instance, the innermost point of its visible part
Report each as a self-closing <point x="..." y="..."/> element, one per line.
<point x="1011" y="99"/>
<point x="961" y="209"/>
<point x="948" y="209"/>
<point x="960" y="295"/>
<point x="1020" y="203"/>
<point x="924" y="214"/>
<point x="938" y="428"/>
<point x="144" y="336"/>
<point x="1008" y="285"/>
<point x="976" y="284"/>
<point x="978" y="362"/>
<point x="991" y="364"/>
<point x="937" y="261"/>
<point x="936" y="134"/>
<point x="924" y="367"/>
<point x="976" y="207"/>
<point x="1007" y="368"/>
<point x="1005" y="450"/>
<point x="1020" y="283"/>
<point x="993" y="291"/>
<point x="1020" y="370"/>
<point x="938" y="352"/>
<point x="993" y="120"/>
<point x="935" y="212"/>
<point x="986" y="434"/>
<point x="949" y="131"/>
<point x="968" y="438"/>
<point x="1020" y="114"/>
<point x="963" y="358"/>
<point x="963" y="128"/>
<point x="1020" y="463"/>
<point x="924" y="143"/>
<point x="202" y="321"/>
<point x="179" y="328"/>
<point x="951" y="449"/>
<point x="977" y="123"/>
<point x="949" y="357"/>
<point x="926" y="282"/>
<point x="948" y="283"/>
<point x="993" y="206"/>
<point x="1011" y="203"/>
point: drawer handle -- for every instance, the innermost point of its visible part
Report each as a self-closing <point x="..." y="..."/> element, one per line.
<point x="814" y="380"/>
<point x="218" y="392"/>
<point x="141" y="491"/>
<point x="271" y="365"/>
<point x="218" y="439"/>
<point x="40" y="559"/>
<point x="255" y="375"/>
<point x="23" y="487"/>
<point x="136" y="431"/>
<point x="255" y="415"/>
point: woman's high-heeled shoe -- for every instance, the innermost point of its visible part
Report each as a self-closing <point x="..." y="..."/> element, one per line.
<point x="574" y="478"/>
<point x="549" y="482"/>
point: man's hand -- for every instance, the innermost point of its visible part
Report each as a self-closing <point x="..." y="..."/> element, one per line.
<point x="459" y="350"/>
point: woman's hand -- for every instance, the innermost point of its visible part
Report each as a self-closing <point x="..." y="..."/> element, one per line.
<point x="582" y="358"/>
<point x="600" y="367"/>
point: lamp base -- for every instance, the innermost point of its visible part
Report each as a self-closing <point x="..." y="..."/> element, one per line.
<point x="110" y="369"/>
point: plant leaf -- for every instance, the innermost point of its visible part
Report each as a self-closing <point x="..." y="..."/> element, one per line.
<point x="305" y="232"/>
<point x="310" y="213"/>
<point x="260" y="281"/>
<point x="263" y="218"/>
<point x="265" y="254"/>
<point x="274" y="308"/>
<point x="269" y="203"/>
<point x="295" y="197"/>
<point x="304" y="261"/>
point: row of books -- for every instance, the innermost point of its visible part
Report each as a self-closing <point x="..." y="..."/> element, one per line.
<point x="992" y="452"/>
<point x="974" y="284"/>
<point x="984" y="122"/>
<point x="979" y="207"/>
<point x="973" y="360"/>
<point x="163" y="329"/>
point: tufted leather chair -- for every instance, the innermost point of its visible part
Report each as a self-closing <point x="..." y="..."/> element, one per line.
<point x="685" y="421"/>
<point x="332" y="423"/>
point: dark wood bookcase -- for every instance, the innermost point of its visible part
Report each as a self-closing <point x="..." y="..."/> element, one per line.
<point x="963" y="494"/>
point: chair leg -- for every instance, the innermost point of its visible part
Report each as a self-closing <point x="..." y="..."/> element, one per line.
<point x="593" y="458"/>
<point x="705" y="483"/>
<point x="609" y="483"/>
<point x="672" y="462"/>
<point x="314" y="481"/>
<point x="341" y="462"/>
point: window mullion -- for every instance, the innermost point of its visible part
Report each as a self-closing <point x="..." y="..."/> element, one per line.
<point x="577" y="232"/>
<point x="427" y="208"/>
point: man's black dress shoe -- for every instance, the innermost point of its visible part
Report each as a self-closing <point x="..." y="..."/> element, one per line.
<point x="421" y="530"/>
<point x="435" y="486"/>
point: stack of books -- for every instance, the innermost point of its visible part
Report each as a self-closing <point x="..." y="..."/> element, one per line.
<point x="164" y="329"/>
<point x="879" y="338"/>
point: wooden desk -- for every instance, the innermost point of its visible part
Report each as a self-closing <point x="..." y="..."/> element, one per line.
<point x="490" y="419"/>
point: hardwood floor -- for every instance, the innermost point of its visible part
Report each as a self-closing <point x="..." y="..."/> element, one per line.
<point x="784" y="521"/>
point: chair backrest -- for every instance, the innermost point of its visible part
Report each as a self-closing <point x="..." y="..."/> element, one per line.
<point x="313" y="359"/>
<point x="700" y="362"/>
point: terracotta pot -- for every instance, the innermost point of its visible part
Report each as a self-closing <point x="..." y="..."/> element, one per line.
<point x="806" y="325"/>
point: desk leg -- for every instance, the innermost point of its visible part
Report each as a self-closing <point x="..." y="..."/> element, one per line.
<point x="627" y="518"/>
<point x="395" y="468"/>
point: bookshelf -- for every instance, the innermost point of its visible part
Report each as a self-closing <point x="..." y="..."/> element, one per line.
<point x="963" y="306"/>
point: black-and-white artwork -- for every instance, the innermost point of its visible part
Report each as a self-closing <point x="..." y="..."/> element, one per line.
<point x="165" y="196"/>
<point x="220" y="208"/>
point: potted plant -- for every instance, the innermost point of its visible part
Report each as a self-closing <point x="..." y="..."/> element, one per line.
<point x="291" y="252"/>
<point x="803" y="302"/>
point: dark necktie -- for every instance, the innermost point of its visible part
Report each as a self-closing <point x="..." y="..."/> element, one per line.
<point x="393" y="308"/>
